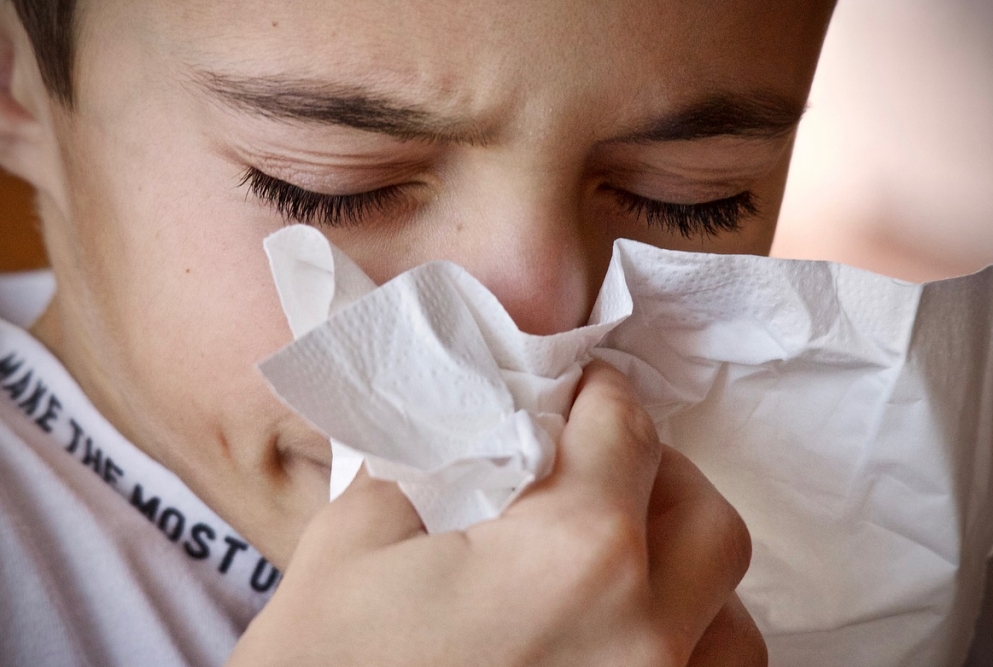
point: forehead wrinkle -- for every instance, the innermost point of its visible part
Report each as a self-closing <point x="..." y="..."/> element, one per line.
<point x="311" y="101"/>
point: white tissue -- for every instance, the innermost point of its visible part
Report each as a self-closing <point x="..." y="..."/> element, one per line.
<point x="847" y="416"/>
<point x="427" y="379"/>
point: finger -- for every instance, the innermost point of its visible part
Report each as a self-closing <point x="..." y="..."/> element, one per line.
<point x="699" y="547"/>
<point x="369" y="515"/>
<point x="609" y="450"/>
<point x="732" y="640"/>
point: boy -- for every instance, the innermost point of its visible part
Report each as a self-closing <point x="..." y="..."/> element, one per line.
<point x="167" y="139"/>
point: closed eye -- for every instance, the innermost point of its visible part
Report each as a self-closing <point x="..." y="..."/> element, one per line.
<point x="295" y="204"/>
<point x="688" y="220"/>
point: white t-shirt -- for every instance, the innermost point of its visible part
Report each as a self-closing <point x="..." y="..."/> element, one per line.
<point x="106" y="558"/>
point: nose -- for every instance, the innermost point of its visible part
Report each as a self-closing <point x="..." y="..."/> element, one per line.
<point x="530" y="245"/>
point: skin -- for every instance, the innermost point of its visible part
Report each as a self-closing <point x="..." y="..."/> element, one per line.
<point x="651" y="523"/>
<point x="165" y="303"/>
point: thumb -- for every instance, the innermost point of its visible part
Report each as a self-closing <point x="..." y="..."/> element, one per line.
<point x="371" y="514"/>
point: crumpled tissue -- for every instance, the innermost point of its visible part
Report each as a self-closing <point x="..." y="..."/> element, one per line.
<point x="426" y="379"/>
<point x="847" y="416"/>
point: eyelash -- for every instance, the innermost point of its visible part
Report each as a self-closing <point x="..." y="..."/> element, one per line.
<point x="296" y="204"/>
<point x="707" y="219"/>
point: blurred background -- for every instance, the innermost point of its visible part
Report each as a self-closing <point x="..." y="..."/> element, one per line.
<point x="20" y="246"/>
<point x="893" y="167"/>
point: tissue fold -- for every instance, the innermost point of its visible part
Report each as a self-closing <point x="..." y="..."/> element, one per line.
<point x="847" y="416"/>
<point x="427" y="378"/>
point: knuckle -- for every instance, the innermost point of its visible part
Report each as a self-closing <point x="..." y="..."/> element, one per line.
<point x="633" y="425"/>
<point x="611" y="553"/>
<point x="754" y="649"/>
<point x="732" y="540"/>
<point x="751" y="643"/>
<point x="619" y="545"/>
<point x="732" y="640"/>
<point x="637" y="424"/>
<point x="621" y="413"/>
<point x="738" y="546"/>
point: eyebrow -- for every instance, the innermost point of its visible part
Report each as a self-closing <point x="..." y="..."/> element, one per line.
<point x="756" y="115"/>
<point x="350" y="106"/>
<point x="753" y="115"/>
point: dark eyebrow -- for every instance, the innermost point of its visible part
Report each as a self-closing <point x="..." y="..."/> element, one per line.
<point x="355" y="107"/>
<point x="754" y="115"/>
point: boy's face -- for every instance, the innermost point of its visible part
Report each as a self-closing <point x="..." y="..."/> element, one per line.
<point x="517" y="138"/>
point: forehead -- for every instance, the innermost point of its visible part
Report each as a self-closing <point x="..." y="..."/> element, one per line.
<point x="519" y="63"/>
<point x="448" y="40"/>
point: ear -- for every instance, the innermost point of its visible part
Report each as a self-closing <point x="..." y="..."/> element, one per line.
<point x="28" y="148"/>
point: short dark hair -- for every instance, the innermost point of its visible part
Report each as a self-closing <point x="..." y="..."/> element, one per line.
<point x="49" y="24"/>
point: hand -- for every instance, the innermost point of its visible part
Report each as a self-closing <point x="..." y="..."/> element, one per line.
<point x="624" y="555"/>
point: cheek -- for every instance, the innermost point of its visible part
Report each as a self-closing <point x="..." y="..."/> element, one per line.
<point x="182" y="304"/>
<point x="203" y="299"/>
